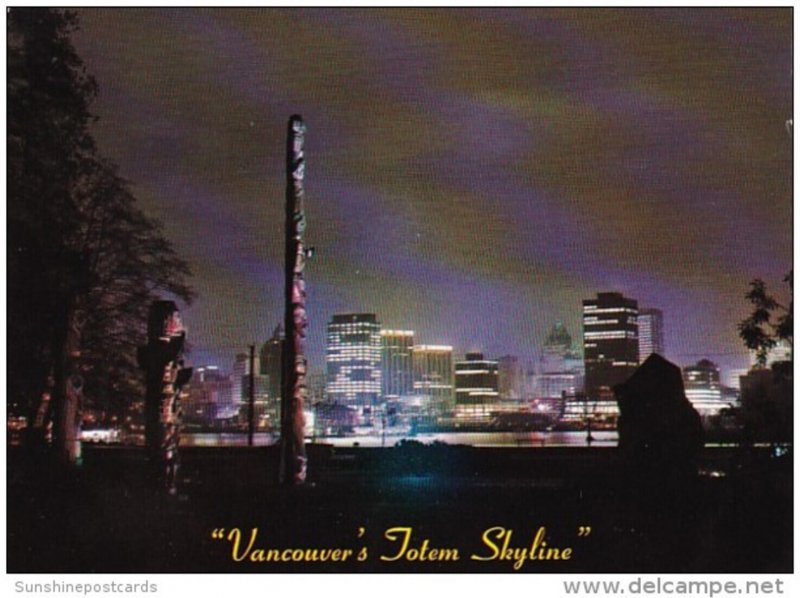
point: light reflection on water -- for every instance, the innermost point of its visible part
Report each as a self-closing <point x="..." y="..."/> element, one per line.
<point x="482" y="439"/>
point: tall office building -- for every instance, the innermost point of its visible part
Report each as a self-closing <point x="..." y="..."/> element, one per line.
<point x="396" y="374"/>
<point x="556" y="349"/>
<point x="353" y="359"/>
<point x="267" y="407"/>
<point x="316" y="387"/>
<point x="560" y="368"/>
<point x="510" y="378"/>
<point x="651" y="332"/>
<point x="701" y="383"/>
<point x="210" y="397"/>
<point x="477" y="390"/>
<point x="432" y="367"/>
<point x="241" y="369"/>
<point x="732" y="378"/>
<point x="271" y="361"/>
<point x="610" y="341"/>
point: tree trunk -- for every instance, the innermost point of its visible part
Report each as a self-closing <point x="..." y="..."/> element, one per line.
<point x="68" y="393"/>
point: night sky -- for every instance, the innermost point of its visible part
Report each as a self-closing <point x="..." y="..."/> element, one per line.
<point x="471" y="174"/>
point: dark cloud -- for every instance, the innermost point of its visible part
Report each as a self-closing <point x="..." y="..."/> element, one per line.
<point x="472" y="174"/>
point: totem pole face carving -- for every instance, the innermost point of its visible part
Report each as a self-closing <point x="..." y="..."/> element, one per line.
<point x="161" y="358"/>
<point x="293" y="422"/>
<point x="173" y="325"/>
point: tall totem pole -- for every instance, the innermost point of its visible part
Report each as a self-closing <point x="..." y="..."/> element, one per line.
<point x="294" y="391"/>
<point x="162" y="361"/>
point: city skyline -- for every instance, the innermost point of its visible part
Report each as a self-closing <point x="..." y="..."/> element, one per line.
<point x="381" y="377"/>
<point x="641" y="151"/>
<point x="399" y="344"/>
<point x="530" y="359"/>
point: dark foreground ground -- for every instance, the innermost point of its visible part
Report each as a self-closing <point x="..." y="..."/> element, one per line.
<point x="106" y="517"/>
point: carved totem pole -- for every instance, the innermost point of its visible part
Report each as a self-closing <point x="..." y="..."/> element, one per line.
<point x="294" y="391"/>
<point x="162" y="361"/>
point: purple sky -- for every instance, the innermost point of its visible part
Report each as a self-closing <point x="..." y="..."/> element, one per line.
<point x="471" y="174"/>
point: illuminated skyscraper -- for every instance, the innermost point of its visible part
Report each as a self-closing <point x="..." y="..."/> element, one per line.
<point x="396" y="373"/>
<point x="610" y="341"/>
<point x="733" y="377"/>
<point x="267" y="406"/>
<point x="353" y="359"/>
<point x="702" y="386"/>
<point x="560" y="367"/>
<point x="241" y="370"/>
<point x="271" y="360"/>
<point x="557" y="348"/>
<point x="510" y="379"/>
<point x="651" y="332"/>
<point x="432" y="367"/>
<point x="210" y="397"/>
<point x="476" y="388"/>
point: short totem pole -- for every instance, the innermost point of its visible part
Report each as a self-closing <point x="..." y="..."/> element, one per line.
<point x="162" y="361"/>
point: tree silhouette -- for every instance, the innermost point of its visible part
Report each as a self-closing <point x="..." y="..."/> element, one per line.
<point x="769" y="323"/>
<point x="84" y="262"/>
<point x="767" y="404"/>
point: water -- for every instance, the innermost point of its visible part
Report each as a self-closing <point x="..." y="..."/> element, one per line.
<point x="481" y="439"/>
<point x="206" y="439"/>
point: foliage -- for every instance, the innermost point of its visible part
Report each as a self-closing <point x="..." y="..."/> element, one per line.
<point x="767" y="405"/>
<point x="80" y="250"/>
<point x="769" y="323"/>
